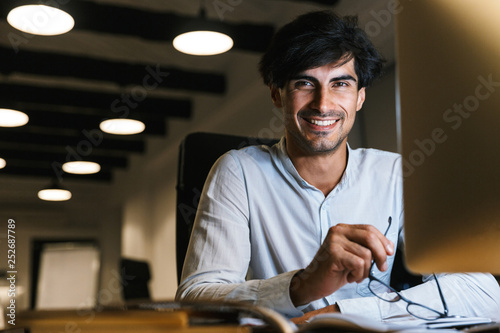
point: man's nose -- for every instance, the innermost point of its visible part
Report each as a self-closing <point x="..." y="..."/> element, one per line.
<point x="323" y="101"/>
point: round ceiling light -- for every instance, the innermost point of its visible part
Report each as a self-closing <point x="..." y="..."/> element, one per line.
<point x="2" y="163"/>
<point x="40" y="20"/>
<point x="12" y="118"/>
<point x="81" y="167"/>
<point x="122" y="126"/>
<point x="54" y="194"/>
<point x="203" y="43"/>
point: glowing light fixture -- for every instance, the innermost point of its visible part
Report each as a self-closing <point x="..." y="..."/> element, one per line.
<point x="12" y="118"/>
<point x="54" y="192"/>
<point x="40" y="20"/>
<point x="81" y="167"/>
<point x="2" y="163"/>
<point x="122" y="126"/>
<point x="203" y="37"/>
<point x="203" y="42"/>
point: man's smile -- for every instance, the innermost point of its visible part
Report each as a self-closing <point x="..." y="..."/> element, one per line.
<point x="322" y="122"/>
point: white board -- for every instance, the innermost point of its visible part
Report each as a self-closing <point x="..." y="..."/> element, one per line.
<point x="68" y="276"/>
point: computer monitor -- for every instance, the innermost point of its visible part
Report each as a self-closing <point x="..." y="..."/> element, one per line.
<point x="448" y="73"/>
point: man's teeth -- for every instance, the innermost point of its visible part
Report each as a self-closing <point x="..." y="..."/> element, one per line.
<point x="323" y="122"/>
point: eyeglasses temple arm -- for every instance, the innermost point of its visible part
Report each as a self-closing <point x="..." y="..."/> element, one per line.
<point x="445" y="306"/>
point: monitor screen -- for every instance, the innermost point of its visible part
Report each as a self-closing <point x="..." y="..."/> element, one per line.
<point x="448" y="74"/>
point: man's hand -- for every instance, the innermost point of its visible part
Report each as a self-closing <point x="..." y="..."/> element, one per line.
<point x="344" y="257"/>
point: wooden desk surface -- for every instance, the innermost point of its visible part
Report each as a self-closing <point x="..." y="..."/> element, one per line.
<point x="73" y="321"/>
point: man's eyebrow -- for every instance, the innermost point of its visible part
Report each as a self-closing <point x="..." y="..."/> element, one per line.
<point x="346" y="77"/>
<point x="333" y="79"/>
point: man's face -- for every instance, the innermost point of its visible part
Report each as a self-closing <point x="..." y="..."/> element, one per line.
<point x="319" y="107"/>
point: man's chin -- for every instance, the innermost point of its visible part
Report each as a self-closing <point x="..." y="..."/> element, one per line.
<point x="323" y="147"/>
<point x="316" y="144"/>
<point x="325" y="150"/>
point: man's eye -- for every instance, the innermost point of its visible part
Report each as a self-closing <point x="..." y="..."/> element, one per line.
<point x="303" y="84"/>
<point x="340" y="84"/>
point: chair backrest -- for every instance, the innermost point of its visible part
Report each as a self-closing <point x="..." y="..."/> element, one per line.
<point x="197" y="153"/>
<point x="135" y="276"/>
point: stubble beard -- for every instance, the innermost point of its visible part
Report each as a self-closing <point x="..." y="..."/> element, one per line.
<point x="321" y="144"/>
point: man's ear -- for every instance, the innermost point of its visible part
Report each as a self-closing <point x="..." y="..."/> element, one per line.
<point x="276" y="96"/>
<point x="361" y="98"/>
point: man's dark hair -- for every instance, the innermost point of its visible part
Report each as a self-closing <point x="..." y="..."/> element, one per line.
<point x="316" y="39"/>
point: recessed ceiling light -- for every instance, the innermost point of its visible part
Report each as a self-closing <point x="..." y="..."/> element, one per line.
<point x="2" y="163"/>
<point x="40" y="20"/>
<point x="203" y="43"/>
<point x="122" y="126"/>
<point x="12" y="118"/>
<point x="81" y="167"/>
<point x="54" y="194"/>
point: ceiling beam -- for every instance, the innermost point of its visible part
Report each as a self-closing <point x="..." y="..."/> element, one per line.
<point x="37" y="158"/>
<point x="87" y="142"/>
<point x="76" y="123"/>
<point x="116" y="105"/>
<point x="149" y="77"/>
<point x="13" y="169"/>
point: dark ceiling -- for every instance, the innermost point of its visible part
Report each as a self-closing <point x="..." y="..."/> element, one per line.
<point x="64" y="119"/>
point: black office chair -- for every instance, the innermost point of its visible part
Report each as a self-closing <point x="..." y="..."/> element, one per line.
<point x="135" y="276"/>
<point x="197" y="153"/>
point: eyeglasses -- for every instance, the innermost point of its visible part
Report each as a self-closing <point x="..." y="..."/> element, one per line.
<point x="417" y="310"/>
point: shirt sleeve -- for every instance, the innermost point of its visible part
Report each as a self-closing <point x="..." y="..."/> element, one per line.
<point x="218" y="255"/>
<point x="473" y="294"/>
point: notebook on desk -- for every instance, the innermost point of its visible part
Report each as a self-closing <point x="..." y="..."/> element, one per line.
<point x="354" y="323"/>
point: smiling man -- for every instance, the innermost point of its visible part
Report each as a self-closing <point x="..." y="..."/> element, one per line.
<point x="307" y="225"/>
<point x="320" y="106"/>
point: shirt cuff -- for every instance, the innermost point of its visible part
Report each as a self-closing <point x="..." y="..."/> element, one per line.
<point x="274" y="293"/>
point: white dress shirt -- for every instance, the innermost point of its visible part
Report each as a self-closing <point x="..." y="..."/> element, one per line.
<point x="258" y="222"/>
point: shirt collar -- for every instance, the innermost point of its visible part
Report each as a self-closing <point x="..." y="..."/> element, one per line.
<point x="288" y="165"/>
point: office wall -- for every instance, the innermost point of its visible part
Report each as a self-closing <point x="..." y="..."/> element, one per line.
<point x="379" y="113"/>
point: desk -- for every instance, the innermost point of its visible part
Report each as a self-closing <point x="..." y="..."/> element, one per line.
<point x="114" y="321"/>
<point x="173" y="317"/>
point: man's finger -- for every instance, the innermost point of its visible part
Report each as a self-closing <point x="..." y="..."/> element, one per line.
<point x="367" y="237"/>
